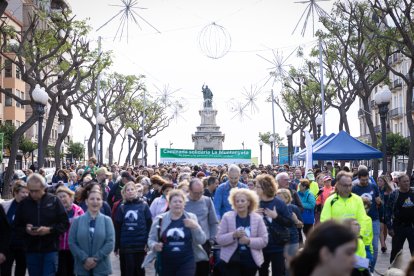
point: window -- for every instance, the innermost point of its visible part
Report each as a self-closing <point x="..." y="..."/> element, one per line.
<point x="18" y="95"/>
<point x="7" y="69"/>
<point x="18" y="75"/>
<point x="8" y="101"/>
<point x="22" y="97"/>
<point x="10" y="122"/>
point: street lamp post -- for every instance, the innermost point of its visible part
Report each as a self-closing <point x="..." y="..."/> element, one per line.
<point x="382" y="99"/>
<point x="100" y="119"/>
<point x="261" y="150"/>
<point x="129" y="132"/>
<point x="319" y="122"/>
<point x="156" y="152"/>
<point x="289" y="139"/>
<point x="271" y="140"/>
<point x="40" y="97"/>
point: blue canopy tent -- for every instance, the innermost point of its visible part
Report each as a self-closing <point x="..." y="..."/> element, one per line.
<point x="343" y="146"/>
<point x="301" y="155"/>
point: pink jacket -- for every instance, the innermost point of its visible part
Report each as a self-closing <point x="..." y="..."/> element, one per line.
<point x="258" y="236"/>
<point x="63" y="239"/>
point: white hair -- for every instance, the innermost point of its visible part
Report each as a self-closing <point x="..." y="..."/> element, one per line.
<point x="35" y="177"/>
<point x="72" y="174"/>
<point x="234" y="168"/>
<point x="362" y="167"/>
<point x="145" y="181"/>
<point x="279" y="175"/>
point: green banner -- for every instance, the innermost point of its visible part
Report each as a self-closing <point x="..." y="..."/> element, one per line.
<point x="1" y="146"/>
<point x="205" y="156"/>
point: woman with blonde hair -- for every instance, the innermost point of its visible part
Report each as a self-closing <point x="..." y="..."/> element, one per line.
<point x="278" y="219"/>
<point x="132" y="224"/>
<point x="242" y="234"/>
<point x="385" y="190"/>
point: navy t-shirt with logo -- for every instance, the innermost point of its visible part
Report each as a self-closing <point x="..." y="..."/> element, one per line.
<point x="245" y="253"/>
<point x="177" y="240"/>
<point x="371" y="191"/>
<point x="405" y="204"/>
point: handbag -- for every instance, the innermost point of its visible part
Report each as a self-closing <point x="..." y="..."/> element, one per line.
<point x="279" y="234"/>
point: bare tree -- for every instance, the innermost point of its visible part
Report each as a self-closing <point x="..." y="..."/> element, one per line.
<point x="348" y="25"/>
<point x="49" y="56"/>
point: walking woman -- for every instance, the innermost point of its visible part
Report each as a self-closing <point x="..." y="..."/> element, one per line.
<point x="132" y="224"/>
<point x="277" y="219"/>
<point x="92" y="239"/>
<point x="177" y="238"/>
<point x="65" y="258"/>
<point x="308" y="202"/>
<point x="385" y="190"/>
<point x="242" y="235"/>
<point x="15" y="251"/>
<point x="329" y="250"/>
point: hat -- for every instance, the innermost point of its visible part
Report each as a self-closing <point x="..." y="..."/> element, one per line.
<point x="326" y="178"/>
<point x="310" y="176"/>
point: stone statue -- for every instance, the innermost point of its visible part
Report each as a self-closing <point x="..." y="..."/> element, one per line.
<point x="207" y="95"/>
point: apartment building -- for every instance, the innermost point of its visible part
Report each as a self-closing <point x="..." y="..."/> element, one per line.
<point x="20" y="11"/>
<point x="397" y="117"/>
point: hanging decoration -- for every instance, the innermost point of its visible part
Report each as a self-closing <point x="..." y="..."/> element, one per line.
<point x="214" y="41"/>
<point x="127" y="14"/>
<point x="309" y="11"/>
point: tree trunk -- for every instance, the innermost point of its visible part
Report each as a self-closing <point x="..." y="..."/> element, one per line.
<point x="134" y="157"/>
<point x="60" y="139"/>
<point x="49" y="125"/>
<point x="145" y="153"/>
<point x="13" y="153"/>
<point x="302" y="139"/>
<point x="91" y="143"/>
<point x="137" y="152"/>
<point x="122" y="149"/>
<point x="372" y="133"/>
<point x="111" y="148"/>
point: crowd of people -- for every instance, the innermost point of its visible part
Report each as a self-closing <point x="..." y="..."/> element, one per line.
<point x="204" y="220"/>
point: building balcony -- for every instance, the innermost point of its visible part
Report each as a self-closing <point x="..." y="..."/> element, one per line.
<point x="396" y="113"/>
<point x="377" y="128"/>
<point x="396" y="84"/>
<point x="360" y="113"/>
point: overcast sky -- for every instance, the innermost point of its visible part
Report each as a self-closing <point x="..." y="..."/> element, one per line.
<point x="173" y="57"/>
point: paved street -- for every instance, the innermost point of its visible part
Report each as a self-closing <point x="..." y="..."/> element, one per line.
<point x="381" y="267"/>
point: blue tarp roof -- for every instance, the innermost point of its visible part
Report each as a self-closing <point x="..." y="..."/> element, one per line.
<point x="301" y="155"/>
<point x="343" y="146"/>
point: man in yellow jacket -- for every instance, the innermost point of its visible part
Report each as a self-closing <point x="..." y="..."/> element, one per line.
<point x="343" y="204"/>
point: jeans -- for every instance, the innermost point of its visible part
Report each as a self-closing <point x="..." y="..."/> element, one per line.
<point x="238" y="269"/>
<point x="65" y="263"/>
<point x="402" y="233"/>
<point x="130" y="264"/>
<point x="17" y="255"/>
<point x="376" y="226"/>
<point x="278" y="264"/>
<point x="42" y="264"/>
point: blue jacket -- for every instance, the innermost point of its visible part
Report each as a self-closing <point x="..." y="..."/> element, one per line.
<point x="307" y="199"/>
<point x="101" y="247"/>
<point x="132" y="225"/>
<point x="221" y="198"/>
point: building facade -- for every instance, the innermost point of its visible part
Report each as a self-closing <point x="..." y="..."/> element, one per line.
<point x="397" y="117"/>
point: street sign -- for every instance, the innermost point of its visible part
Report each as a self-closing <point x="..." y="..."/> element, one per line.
<point x="211" y="157"/>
